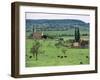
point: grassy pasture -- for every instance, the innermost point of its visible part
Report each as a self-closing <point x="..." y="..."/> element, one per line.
<point x="50" y="55"/>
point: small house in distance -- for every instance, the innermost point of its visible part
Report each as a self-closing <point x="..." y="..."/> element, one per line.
<point x="37" y="35"/>
<point x="79" y="42"/>
<point x="76" y="45"/>
<point x="83" y="43"/>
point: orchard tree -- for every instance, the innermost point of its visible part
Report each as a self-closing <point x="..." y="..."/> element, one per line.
<point x="35" y="49"/>
<point x="64" y="49"/>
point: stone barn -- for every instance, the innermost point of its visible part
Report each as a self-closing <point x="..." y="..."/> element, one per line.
<point x="37" y="35"/>
<point x="76" y="45"/>
<point x="81" y="44"/>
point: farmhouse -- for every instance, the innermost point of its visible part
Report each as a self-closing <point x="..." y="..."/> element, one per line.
<point x="76" y="45"/>
<point x="84" y="43"/>
<point x="37" y="35"/>
<point x="81" y="44"/>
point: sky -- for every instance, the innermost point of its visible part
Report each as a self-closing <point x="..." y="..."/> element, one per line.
<point x="41" y="15"/>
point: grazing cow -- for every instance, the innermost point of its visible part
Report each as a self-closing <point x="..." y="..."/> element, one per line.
<point x="30" y="56"/>
<point x="44" y="36"/>
<point x="58" y="56"/>
<point x="65" y="56"/>
<point x="87" y="56"/>
<point x="81" y="62"/>
<point x="61" y="57"/>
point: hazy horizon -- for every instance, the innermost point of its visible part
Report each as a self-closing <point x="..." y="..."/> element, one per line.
<point x="52" y="16"/>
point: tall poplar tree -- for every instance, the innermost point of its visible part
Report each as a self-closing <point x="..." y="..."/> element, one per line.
<point x="77" y="34"/>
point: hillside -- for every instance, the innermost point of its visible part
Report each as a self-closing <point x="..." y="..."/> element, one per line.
<point x="56" y="27"/>
<point x="62" y="24"/>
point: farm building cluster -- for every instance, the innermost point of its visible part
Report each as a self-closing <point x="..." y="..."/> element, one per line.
<point x="83" y="43"/>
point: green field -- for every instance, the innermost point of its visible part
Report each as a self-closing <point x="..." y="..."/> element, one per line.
<point x="57" y="33"/>
<point x="50" y="55"/>
<point x="57" y="42"/>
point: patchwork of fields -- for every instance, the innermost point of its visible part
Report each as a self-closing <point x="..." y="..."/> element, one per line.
<point x="58" y="49"/>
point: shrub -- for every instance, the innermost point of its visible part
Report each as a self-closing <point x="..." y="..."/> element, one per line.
<point x="64" y="50"/>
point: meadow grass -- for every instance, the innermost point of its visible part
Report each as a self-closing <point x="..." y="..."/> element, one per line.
<point x="50" y="55"/>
